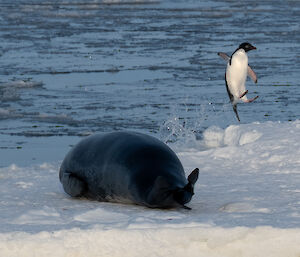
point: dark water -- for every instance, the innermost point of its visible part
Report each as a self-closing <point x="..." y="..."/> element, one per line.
<point x="71" y="68"/>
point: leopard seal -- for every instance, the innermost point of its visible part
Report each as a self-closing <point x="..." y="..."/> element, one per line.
<point x="127" y="167"/>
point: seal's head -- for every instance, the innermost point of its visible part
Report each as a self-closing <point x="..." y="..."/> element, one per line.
<point x="184" y="195"/>
<point x="162" y="197"/>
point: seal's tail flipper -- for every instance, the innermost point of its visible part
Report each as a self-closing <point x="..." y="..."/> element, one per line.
<point x="73" y="185"/>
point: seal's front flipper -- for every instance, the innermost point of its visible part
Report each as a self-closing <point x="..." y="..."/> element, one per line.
<point x="73" y="185"/>
<point x="159" y="195"/>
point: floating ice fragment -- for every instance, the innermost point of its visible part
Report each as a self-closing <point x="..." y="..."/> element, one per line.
<point x="24" y="185"/>
<point x="101" y="215"/>
<point x="242" y="208"/>
<point x="43" y="216"/>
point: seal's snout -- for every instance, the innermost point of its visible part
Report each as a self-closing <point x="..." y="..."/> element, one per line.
<point x="182" y="196"/>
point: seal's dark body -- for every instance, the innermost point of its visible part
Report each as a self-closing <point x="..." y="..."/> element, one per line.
<point x="126" y="167"/>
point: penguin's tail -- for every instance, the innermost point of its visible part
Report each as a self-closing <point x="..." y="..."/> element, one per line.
<point x="184" y="195"/>
<point x="234" y="106"/>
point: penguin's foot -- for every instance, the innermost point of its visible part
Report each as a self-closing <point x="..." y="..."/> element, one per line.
<point x="251" y="100"/>
<point x="242" y="95"/>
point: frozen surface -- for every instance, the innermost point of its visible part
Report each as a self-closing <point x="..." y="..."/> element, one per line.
<point x="246" y="203"/>
<point x="71" y="68"/>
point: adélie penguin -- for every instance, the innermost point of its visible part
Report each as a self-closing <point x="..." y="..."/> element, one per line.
<point x="236" y="75"/>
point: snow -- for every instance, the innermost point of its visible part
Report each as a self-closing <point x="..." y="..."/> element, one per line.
<point x="246" y="203"/>
<point x="190" y="241"/>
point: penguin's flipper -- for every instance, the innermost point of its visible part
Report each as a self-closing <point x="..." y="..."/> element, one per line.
<point x="224" y="56"/>
<point x="235" y="111"/>
<point x="252" y="74"/>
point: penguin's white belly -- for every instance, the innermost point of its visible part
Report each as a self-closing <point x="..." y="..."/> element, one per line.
<point x="236" y="75"/>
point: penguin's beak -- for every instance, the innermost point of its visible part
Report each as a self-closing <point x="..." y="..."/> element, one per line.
<point x="253" y="48"/>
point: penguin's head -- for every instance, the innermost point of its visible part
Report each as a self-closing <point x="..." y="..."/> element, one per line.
<point x="247" y="46"/>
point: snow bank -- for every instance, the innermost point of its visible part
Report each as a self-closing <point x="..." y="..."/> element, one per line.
<point x="246" y="203"/>
<point x="232" y="135"/>
<point x="195" y="241"/>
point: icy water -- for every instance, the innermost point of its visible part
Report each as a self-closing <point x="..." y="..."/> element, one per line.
<point x="72" y="68"/>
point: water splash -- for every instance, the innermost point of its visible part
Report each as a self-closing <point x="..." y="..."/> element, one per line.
<point x="174" y="129"/>
<point x="187" y="123"/>
<point x="184" y="125"/>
